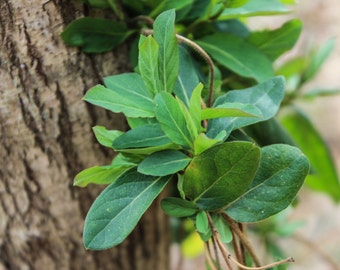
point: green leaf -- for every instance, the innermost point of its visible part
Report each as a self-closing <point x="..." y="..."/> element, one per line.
<point x="318" y="58"/>
<point x="143" y="136"/>
<point x="266" y="97"/>
<point x="125" y="93"/>
<point x="195" y="107"/>
<point x="99" y="175"/>
<point x="255" y="8"/>
<point x="202" y="143"/>
<point x="187" y="79"/>
<point x="117" y="210"/>
<point x="273" y="43"/>
<point x="237" y="55"/>
<point x="222" y="228"/>
<point x="148" y="64"/>
<point x="97" y="3"/>
<point x="236" y="3"/>
<point x="310" y="95"/>
<point x="163" y="163"/>
<point x="202" y="223"/>
<point x="95" y="35"/>
<point x="280" y="176"/>
<point x="324" y="177"/>
<point x="173" y="120"/>
<point x="137" y="122"/>
<point x="177" y="207"/>
<point x="221" y="174"/>
<point x="170" y="4"/>
<point x="106" y="137"/>
<point x="231" y="109"/>
<point x="164" y="34"/>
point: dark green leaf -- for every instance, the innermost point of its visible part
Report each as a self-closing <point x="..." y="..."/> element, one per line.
<point x="173" y="120"/>
<point x="273" y="43"/>
<point x="177" y="207"/>
<point x="95" y="35"/>
<point x="97" y="3"/>
<point x="324" y="177"/>
<point x="117" y="210"/>
<point x="255" y="8"/>
<point x="106" y="137"/>
<point x="164" y="163"/>
<point x="164" y="33"/>
<point x="187" y="78"/>
<point x="148" y="64"/>
<point x="266" y="97"/>
<point x="220" y="174"/>
<point x="170" y="4"/>
<point x="280" y="176"/>
<point x="237" y="55"/>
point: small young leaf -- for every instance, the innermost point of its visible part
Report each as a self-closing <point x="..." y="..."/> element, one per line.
<point x="280" y="176"/>
<point x="202" y="143"/>
<point x="164" y="33"/>
<point x="275" y="42"/>
<point x="148" y="64"/>
<point x="220" y="174"/>
<point x="238" y="55"/>
<point x="163" y="163"/>
<point x="266" y="97"/>
<point x="222" y="228"/>
<point x="173" y="120"/>
<point x="187" y="78"/>
<point x="195" y="107"/>
<point x="95" y="35"/>
<point x="324" y="178"/>
<point x="202" y="223"/>
<point x="177" y="207"/>
<point x="117" y="210"/>
<point x="106" y="137"/>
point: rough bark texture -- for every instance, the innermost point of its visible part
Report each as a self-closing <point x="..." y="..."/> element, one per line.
<point x="46" y="138"/>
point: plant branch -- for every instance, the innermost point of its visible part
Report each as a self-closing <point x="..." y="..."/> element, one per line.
<point x="209" y="257"/>
<point x="290" y="259"/>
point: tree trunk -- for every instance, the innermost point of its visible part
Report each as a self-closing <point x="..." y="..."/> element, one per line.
<point x="46" y="138"/>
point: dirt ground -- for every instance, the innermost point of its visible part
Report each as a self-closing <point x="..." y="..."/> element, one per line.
<point x="317" y="244"/>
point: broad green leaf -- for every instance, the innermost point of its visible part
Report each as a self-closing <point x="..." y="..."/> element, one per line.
<point x="231" y="109"/>
<point x="221" y="174"/>
<point x="202" y="143"/>
<point x="173" y="120"/>
<point x="147" y="136"/>
<point x="222" y="228"/>
<point x="318" y="58"/>
<point x="273" y="43"/>
<point x="164" y="34"/>
<point x="99" y="175"/>
<point x="195" y="106"/>
<point x="125" y="93"/>
<point x="164" y="163"/>
<point x="106" y="137"/>
<point x="255" y="8"/>
<point x="237" y="55"/>
<point x="324" y="177"/>
<point x="148" y="64"/>
<point x="266" y="97"/>
<point x="95" y="35"/>
<point x="117" y="210"/>
<point x="177" y="207"/>
<point x="170" y="4"/>
<point x="280" y="176"/>
<point x="187" y="79"/>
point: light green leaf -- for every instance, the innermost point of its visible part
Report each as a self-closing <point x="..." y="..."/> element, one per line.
<point x="237" y="55"/>
<point x="95" y="35"/>
<point x="99" y="175"/>
<point x="164" y="34"/>
<point x="310" y="95"/>
<point x="202" y="143"/>
<point x="177" y="207"/>
<point x="195" y="106"/>
<point x="273" y="43"/>
<point x="106" y="137"/>
<point x="324" y="176"/>
<point x="117" y="210"/>
<point x="266" y="97"/>
<point x="173" y="120"/>
<point x="202" y="223"/>
<point x="137" y="122"/>
<point x="255" y="8"/>
<point x="221" y="174"/>
<point x="231" y="109"/>
<point x="148" y="64"/>
<point x="222" y="228"/>
<point x="280" y="176"/>
<point x="187" y="79"/>
<point x="125" y="93"/>
<point x="163" y="163"/>
<point x="236" y="3"/>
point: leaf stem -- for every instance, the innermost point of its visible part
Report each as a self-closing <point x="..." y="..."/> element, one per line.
<point x="290" y="259"/>
<point x="209" y="257"/>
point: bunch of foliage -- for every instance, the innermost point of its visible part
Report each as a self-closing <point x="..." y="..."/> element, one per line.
<point x="209" y="130"/>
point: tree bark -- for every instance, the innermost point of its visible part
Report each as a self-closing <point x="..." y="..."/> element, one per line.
<point x="46" y="139"/>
